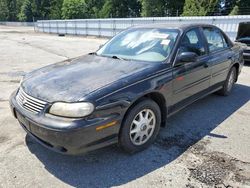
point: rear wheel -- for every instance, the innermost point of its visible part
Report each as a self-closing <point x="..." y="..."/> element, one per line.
<point x="229" y="83"/>
<point x="140" y="126"/>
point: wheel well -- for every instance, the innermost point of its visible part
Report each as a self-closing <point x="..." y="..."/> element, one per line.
<point x="237" y="66"/>
<point x="159" y="99"/>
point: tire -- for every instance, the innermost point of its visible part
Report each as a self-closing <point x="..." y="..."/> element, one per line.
<point x="229" y="83"/>
<point x="140" y="126"/>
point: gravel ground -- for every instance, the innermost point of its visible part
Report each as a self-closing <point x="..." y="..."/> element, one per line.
<point x="204" y="145"/>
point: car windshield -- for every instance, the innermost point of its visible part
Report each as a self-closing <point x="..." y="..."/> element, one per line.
<point x="143" y="44"/>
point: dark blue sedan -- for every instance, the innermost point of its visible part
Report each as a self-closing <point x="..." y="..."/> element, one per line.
<point x="123" y="93"/>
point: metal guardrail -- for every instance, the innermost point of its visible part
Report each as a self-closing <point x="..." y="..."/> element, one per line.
<point x="17" y="23"/>
<point x="110" y="27"/>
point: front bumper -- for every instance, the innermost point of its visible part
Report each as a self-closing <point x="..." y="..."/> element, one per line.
<point x="65" y="135"/>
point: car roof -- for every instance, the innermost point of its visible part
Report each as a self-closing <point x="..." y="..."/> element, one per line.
<point x="174" y="26"/>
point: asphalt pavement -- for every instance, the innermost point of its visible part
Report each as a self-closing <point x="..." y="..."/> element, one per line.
<point x="204" y="145"/>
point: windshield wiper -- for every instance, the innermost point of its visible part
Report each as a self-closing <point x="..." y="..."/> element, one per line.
<point x="117" y="57"/>
<point x="114" y="56"/>
<point x="92" y="53"/>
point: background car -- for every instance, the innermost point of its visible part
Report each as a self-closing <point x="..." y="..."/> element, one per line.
<point x="243" y="36"/>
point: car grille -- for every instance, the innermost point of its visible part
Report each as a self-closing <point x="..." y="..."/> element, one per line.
<point x="29" y="103"/>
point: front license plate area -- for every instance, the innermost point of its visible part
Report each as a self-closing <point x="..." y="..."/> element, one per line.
<point x="23" y="121"/>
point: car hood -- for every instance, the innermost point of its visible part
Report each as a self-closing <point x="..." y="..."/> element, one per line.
<point x="71" y="80"/>
<point x="243" y="30"/>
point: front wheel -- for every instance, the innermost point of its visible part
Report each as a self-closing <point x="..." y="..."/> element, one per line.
<point x="140" y="126"/>
<point x="229" y="83"/>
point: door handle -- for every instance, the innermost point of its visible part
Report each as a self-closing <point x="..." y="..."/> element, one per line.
<point x="229" y="57"/>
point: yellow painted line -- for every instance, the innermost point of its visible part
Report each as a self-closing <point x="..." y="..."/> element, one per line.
<point x="106" y="126"/>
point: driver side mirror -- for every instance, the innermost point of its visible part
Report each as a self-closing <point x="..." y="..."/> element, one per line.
<point x="186" y="57"/>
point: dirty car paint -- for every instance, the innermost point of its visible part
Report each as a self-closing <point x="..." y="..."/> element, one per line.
<point x="72" y="80"/>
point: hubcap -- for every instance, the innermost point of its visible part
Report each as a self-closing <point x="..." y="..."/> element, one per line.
<point x="142" y="127"/>
<point x="230" y="81"/>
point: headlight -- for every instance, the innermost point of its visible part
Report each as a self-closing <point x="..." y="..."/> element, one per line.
<point x="74" y="110"/>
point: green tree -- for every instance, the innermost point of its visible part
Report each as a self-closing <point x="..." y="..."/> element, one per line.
<point x="74" y="9"/>
<point x="244" y="7"/>
<point x="106" y="10"/>
<point x="19" y="4"/>
<point x="40" y="8"/>
<point x="161" y="7"/>
<point x="94" y="7"/>
<point x="199" y="7"/>
<point x="174" y="7"/>
<point x="134" y="8"/>
<point x="120" y="9"/>
<point x="235" y="11"/>
<point x="26" y="13"/>
<point x="4" y="12"/>
<point x="152" y="8"/>
<point x="235" y="7"/>
<point x="226" y="6"/>
<point x="55" y="9"/>
<point x="12" y="7"/>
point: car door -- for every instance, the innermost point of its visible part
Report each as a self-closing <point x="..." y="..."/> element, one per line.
<point x="220" y="54"/>
<point x="190" y="79"/>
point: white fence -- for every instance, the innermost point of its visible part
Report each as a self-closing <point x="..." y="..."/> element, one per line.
<point x="110" y="27"/>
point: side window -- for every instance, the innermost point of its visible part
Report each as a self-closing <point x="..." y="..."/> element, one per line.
<point x="215" y="39"/>
<point x="191" y="42"/>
